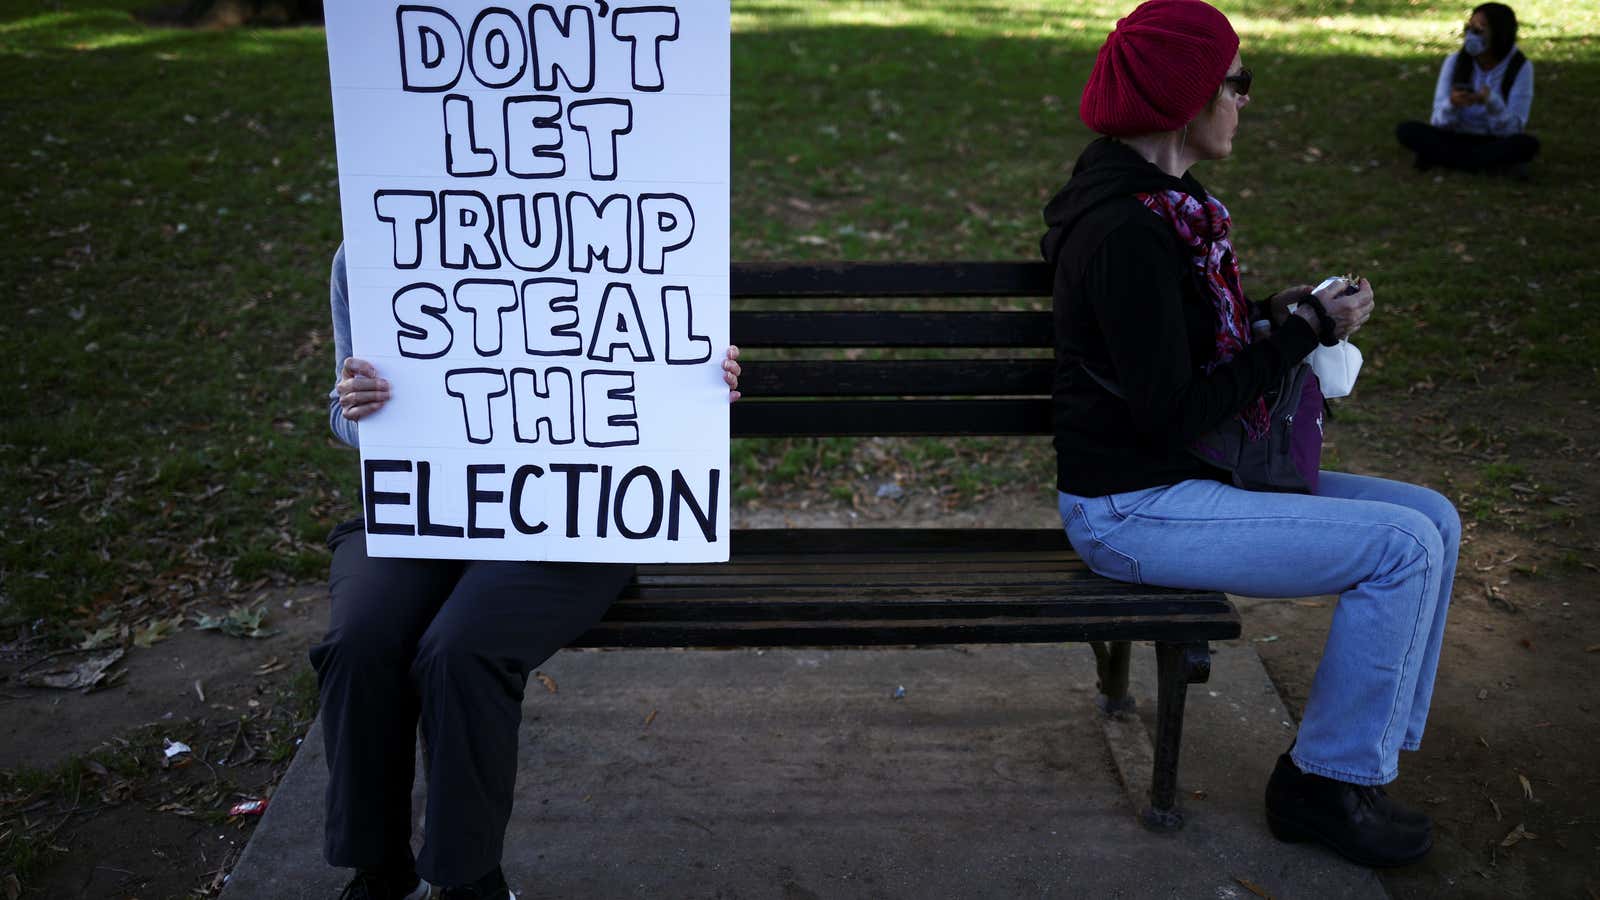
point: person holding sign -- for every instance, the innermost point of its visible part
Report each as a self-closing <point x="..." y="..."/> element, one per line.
<point x="1156" y="353"/>
<point x="447" y="644"/>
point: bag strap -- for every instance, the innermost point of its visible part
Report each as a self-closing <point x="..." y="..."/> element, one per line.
<point x="1513" y="67"/>
<point x="1462" y="74"/>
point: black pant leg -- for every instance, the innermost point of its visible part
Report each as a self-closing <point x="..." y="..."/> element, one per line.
<point x="1506" y="151"/>
<point x="379" y="608"/>
<point x="471" y="668"/>
<point x="1441" y="147"/>
<point x="1422" y="139"/>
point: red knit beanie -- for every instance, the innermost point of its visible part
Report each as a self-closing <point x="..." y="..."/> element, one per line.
<point x="1160" y="66"/>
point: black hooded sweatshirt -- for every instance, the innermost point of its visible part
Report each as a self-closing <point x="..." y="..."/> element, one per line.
<point x="1129" y="306"/>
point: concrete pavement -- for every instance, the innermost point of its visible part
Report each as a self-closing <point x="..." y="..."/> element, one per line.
<point x="798" y="774"/>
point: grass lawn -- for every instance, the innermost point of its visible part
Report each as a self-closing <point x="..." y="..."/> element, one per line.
<point x="171" y="204"/>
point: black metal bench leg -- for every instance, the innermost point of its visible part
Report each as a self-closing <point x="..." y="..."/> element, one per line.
<point x="1178" y="665"/>
<point x="1111" y="664"/>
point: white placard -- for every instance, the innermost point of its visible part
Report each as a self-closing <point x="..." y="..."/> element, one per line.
<point x="535" y="205"/>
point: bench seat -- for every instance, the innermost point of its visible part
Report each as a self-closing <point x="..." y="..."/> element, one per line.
<point x="881" y="587"/>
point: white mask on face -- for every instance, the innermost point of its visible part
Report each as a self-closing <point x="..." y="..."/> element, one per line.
<point x="1474" y="44"/>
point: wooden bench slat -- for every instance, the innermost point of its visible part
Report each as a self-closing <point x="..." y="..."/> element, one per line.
<point x="844" y="593"/>
<point x="797" y="541"/>
<point x="1051" y="570"/>
<point x="757" y="607"/>
<point x="890" y="279"/>
<point x="776" y="562"/>
<point x="903" y="378"/>
<point x="854" y="328"/>
<point x="843" y="418"/>
<point x="873" y="633"/>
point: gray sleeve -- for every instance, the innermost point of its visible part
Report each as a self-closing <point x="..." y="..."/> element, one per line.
<point x="339" y="298"/>
<point x="1444" y="115"/>
<point x="1507" y="117"/>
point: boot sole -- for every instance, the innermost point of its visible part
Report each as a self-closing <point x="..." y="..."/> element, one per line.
<point x="1295" y="833"/>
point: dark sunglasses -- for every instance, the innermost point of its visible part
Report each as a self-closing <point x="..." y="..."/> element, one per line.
<point x="1469" y="28"/>
<point x="1240" y="81"/>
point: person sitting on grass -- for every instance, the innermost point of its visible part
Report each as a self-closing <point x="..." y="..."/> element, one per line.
<point x="441" y="644"/>
<point x="1481" y="103"/>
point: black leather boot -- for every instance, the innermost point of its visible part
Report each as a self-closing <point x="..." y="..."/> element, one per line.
<point x="1360" y="822"/>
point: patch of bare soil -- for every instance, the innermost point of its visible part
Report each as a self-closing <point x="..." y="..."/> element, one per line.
<point x="92" y="803"/>
<point x="1507" y="767"/>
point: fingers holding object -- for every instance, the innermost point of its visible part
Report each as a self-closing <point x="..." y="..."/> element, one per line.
<point x="356" y="413"/>
<point x="355" y="365"/>
<point x="364" y="384"/>
<point x="731" y="372"/>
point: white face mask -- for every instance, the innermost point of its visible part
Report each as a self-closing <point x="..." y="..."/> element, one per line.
<point x="1474" y="44"/>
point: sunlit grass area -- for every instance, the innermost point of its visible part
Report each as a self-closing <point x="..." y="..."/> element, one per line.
<point x="171" y="205"/>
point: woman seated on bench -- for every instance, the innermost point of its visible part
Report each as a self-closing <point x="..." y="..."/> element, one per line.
<point x="446" y="642"/>
<point x="1154" y="349"/>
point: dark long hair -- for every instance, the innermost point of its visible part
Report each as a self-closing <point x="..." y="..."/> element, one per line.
<point x="1502" y="27"/>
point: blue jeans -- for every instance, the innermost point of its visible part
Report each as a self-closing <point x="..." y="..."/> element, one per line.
<point x="1387" y="548"/>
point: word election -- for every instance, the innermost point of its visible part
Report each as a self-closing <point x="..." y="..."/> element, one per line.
<point x="658" y="507"/>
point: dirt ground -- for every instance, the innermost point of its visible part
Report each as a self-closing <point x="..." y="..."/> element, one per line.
<point x="1506" y="768"/>
<point x="104" y="809"/>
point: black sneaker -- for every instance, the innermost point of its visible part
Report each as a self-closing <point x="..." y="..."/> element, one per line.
<point x="1360" y="822"/>
<point x="490" y="887"/>
<point x="371" y="884"/>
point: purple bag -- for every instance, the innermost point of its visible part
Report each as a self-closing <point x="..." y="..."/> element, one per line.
<point x="1288" y="458"/>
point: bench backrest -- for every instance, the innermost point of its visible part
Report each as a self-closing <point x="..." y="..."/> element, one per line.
<point x="978" y="391"/>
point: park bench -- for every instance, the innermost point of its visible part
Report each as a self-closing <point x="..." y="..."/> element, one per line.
<point x="978" y="372"/>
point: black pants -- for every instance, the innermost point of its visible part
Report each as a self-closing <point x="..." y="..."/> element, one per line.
<point x="1473" y="152"/>
<point x="451" y="643"/>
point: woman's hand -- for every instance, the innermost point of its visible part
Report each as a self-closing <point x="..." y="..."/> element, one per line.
<point x="1348" y="311"/>
<point x="731" y="372"/>
<point x="361" y="391"/>
<point x="1280" y="302"/>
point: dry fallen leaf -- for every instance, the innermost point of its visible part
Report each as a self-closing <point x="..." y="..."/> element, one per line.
<point x="1252" y="888"/>
<point x="85" y="676"/>
<point x="157" y="630"/>
<point x="1527" y="788"/>
<point x="548" y="682"/>
<point x="650" y="718"/>
<point x="1517" y="835"/>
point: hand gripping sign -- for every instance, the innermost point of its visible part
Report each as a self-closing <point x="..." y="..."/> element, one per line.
<point x="535" y="205"/>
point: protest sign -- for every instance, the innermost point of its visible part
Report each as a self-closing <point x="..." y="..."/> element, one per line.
<point x="535" y="206"/>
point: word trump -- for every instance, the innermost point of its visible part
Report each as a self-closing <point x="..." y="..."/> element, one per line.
<point x="466" y="230"/>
